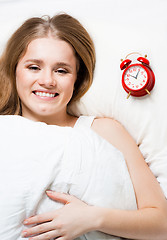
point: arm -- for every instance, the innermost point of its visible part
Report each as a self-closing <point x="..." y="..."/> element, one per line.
<point x="150" y="220"/>
<point x="77" y="218"/>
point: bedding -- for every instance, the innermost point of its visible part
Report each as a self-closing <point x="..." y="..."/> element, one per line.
<point x="118" y="28"/>
<point x="36" y="157"/>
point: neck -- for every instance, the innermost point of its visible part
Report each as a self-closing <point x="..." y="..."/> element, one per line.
<point x="58" y="119"/>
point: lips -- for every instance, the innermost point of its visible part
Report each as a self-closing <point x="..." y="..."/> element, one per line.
<point x="45" y="94"/>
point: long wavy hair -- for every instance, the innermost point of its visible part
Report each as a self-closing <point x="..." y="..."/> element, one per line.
<point x="62" y="26"/>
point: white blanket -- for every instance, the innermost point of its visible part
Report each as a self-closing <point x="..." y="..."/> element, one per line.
<point x="36" y="157"/>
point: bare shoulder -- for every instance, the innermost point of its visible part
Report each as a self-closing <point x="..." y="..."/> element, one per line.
<point x="113" y="132"/>
<point x="108" y="128"/>
<point x="103" y="124"/>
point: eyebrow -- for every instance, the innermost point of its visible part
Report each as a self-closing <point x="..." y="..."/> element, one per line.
<point x="63" y="64"/>
<point x="34" y="61"/>
<point x="58" y="64"/>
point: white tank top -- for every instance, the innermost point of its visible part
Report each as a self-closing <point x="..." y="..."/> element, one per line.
<point x="84" y="121"/>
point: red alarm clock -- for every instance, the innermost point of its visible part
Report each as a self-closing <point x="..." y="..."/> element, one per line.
<point x="137" y="79"/>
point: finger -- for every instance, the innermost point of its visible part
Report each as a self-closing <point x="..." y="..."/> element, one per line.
<point x="60" y="197"/>
<point x="61" y="238"/>
<point x="42" y="228"/>
<point x="46" y="236"/>
<point x="46" y="217"/>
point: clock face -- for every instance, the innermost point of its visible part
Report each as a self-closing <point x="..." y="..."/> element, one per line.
<point x="135" y="77"/>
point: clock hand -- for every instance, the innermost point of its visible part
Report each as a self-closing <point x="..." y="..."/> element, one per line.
<point x="132" y="76"/>
<point x="137" y="74"/>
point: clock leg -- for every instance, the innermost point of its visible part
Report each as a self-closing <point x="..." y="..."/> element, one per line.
<point x="128" y="95"/>
<point x="147" y="91"/>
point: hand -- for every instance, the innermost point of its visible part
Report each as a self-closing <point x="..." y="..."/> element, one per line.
<point x="132" y="76"/>
<point x="137" y="74"/>
<point x="69" y="222"/>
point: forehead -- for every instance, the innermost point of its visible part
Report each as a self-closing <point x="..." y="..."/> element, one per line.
<point x="49" y="48"/>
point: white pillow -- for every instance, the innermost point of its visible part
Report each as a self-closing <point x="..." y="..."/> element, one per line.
<point x="118" y="27"/>
<point x="36" y="157"/>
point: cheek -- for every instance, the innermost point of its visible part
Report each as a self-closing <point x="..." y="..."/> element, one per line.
<point x="68" y="85"/>
<point x="21" y="82"/>
<point x="18" y="79"/>
<point x="22" y="78"/>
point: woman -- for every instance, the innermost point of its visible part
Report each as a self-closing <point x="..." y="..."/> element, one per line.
<point x="39" y="85"/>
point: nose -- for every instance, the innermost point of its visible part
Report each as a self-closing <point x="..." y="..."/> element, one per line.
<point x="47" y="79"/>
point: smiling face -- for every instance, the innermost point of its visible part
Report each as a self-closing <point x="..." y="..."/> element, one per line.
<point x="45" y="78"/>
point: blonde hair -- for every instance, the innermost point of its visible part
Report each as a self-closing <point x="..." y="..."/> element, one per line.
<point x="62" y="26"/>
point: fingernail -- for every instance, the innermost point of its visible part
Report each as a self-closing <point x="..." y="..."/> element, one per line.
<point x="23" y="234"/>
<point x="49" y="191"/>
<point x="25" y="222"/>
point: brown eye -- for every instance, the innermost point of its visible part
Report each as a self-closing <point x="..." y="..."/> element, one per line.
<point x="33" y="67"/>
<point x="61" y="71"/>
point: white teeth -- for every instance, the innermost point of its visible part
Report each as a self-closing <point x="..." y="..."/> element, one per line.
<point x="44" y="94"/>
